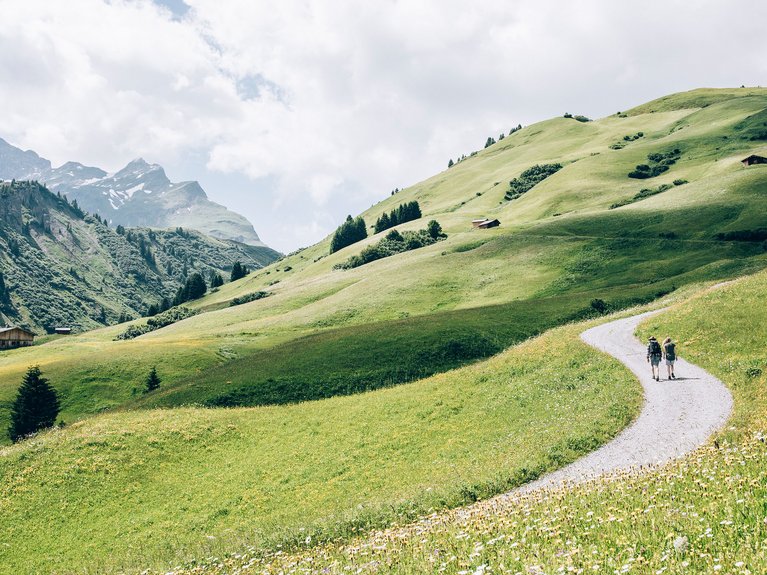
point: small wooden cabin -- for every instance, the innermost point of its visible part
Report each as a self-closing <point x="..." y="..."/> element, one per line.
<point x="485" y="224"/>
<point x="754" y="159"/>
<point x="12" y="337"/>
<point x="62" y="330"/>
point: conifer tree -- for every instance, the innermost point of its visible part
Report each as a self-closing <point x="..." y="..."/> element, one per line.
<point x="195" y="286"/>
<point x="153" y="381"/>
<point x="36" y="405"/>
<point x="238" y="271"/>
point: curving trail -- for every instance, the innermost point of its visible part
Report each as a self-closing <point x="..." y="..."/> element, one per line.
<point x="677" y="416"/>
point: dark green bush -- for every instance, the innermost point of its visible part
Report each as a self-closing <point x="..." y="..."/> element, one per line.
<point x="529" y="178"/>
<point x="159" y="321"/>
<point x="248" y="298"/>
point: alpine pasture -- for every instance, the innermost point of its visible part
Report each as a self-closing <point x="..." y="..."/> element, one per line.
<point x="404" y="425"/>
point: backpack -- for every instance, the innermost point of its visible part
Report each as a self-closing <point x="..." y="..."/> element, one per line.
<point x="670" y="351"/>
<point x="654" y="348"/>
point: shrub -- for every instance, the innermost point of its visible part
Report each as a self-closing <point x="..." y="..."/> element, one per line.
<point x="529" y="178"/>
<point x="248" y="298"/>
<point x="757" y="235"/>
<point x="679" y="182"/>
<point x="159" y="321"/>
<point x="659" y="163"/>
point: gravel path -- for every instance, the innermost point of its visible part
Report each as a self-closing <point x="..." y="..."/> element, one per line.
<point x="677" y="415"/>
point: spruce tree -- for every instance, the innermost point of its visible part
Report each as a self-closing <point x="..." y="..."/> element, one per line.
<point x="195" y="287"/>
<point x="153" y="381"/>
<point x="382" y="223"/>
<point x="36" y="405"/>
<point x="238" y="271"/>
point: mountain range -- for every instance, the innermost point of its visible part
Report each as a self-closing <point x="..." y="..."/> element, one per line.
<point x="139" y="195"/>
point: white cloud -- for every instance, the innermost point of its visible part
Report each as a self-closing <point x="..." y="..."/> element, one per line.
<point x="335" y="103"/>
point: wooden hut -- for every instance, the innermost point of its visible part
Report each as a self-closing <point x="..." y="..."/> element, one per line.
<point x="754" y="159"/>
<point x="62" y="330"/>
<point x="12" y="337"/>
<point x="485" y="224"/>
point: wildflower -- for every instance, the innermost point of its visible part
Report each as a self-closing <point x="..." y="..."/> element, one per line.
<point x="681" y="544"/>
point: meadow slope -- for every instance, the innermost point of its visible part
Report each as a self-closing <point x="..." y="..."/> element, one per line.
<point x="152" y="488"/>
<point x="703" y="513"/>
<point x="559" y="247"/>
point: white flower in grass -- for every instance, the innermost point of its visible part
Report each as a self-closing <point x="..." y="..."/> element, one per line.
<point x="681" y="544"/>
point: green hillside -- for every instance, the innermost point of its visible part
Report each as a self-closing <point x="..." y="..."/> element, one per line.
<point x="701" y="514"/>
<point x="563" y="252"/>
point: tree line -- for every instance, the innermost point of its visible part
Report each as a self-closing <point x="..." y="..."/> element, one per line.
<point x="403" y="213"/>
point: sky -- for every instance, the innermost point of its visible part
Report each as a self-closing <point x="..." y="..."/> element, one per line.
<point x="296" y="113"/>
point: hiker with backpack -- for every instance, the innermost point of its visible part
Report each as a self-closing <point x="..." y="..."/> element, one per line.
<point x="654" y="354"/>
<point x="669" y="353"/>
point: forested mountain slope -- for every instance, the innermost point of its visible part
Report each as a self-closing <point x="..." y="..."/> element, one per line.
<point x="63" y="267"/>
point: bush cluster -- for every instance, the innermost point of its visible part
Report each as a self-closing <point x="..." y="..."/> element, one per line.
<point x="159" y="321"/>
<point x="577" y="117"/>
<point x="399" y="215"/>
<point x="395" y="243"/>
<point x="248" y="297"/>
<point x="758" y="235"/>
<point x="529" y="178"/>
<point x="659" y="163"/>
<point x="348" y="233"/>
<point x="642" y="194"/>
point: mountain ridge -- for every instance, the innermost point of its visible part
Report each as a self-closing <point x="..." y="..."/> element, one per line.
<point x="138" y="195"/>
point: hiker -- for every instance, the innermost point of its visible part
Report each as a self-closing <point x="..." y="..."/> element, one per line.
<point x="654" y="355"/>
<point x="669" y="354"/>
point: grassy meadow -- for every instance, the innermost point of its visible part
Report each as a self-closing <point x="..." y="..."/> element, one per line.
<point x="324" y="332"/>
<point x="150" y="488"/>
<point x="704" y="513"/>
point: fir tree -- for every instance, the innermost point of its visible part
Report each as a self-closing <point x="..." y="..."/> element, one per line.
<point x="351" y="231"/>
<point x="238" y="271"/>
<point x="36" y="406"/>
<point x="196" y="287"/>
<point x="153" y="381"/>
